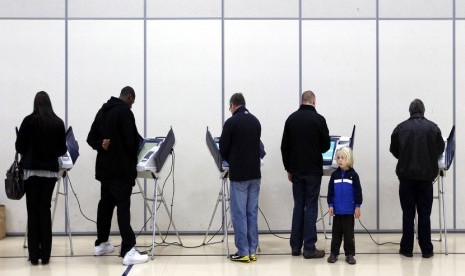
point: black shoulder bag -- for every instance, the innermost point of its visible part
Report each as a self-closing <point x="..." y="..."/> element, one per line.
<point x="14" y="181"/>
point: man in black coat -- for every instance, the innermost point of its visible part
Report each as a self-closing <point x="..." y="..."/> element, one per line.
<point x="417" y="143"/>
<point x="114" y="136"/>
<point x="305" y="139"/>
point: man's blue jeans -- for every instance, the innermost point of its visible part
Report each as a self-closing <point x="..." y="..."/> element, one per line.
<point x="306" y="191"/>
<point x="244" y="210"/>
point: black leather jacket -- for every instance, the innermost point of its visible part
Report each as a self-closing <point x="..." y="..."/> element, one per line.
<point x="417" y="143"/>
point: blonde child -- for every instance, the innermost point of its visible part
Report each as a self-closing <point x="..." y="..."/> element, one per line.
<point x="344" y="200"/>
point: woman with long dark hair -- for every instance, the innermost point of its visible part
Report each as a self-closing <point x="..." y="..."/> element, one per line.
<point x="41" y="140"/>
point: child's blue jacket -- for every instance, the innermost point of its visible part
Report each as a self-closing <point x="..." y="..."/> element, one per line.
<point x="344" y="191"/>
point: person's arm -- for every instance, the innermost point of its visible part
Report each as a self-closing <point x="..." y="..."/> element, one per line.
<point x="61" y="147"/>
<point x="330" y="195"/>
<point x="394" y="147"/>
<point x="94" y="138"/>
<point x="358" y="197"/>
<point x="324" y="137"/>
<point x="285" y="150"/>
<point x="21" y="138"/>
<point x="440" y="142"/>
<point x="225" y="141"/>
<point x="129" y="134"/>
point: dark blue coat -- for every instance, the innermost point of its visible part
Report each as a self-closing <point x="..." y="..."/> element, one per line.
<point x="240" y="145"/>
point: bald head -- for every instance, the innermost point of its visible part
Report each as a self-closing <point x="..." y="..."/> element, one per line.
<point x="308" y="98"/>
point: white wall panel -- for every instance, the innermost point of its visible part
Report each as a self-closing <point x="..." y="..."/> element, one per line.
<point x="262" y="63"/>
<point x="415" y="62"/>
<point x="99" y="67"/>
<point x="106" y="8"/>
<point x="183" y="8"/>
<point x="32" y="59"/>
<point x="460" y="126"/>
<point x="261" y="8"/>
<point x="32" y="8"/>
<point x="184" y="91"/>
<point x="415" y="8"/>
<point x="339" y="8"/>
<point x="339" y="61"/>
<point x="460" y="8"/>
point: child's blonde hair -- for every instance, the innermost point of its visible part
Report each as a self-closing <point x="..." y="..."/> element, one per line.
<point x="347" y="153"/>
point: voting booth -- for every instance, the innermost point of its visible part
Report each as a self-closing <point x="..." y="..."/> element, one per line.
<point x="213" y="145"/>
<point x="444" y="162"/>
<point x="152" y="155"/>
<point x="329" y="157"/>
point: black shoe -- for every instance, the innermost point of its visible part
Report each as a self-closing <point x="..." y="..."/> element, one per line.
<point x="350" y="260"/>
<point x="296" y="252"/>
<point x="237" y="258"/>
<point x="34" y="262"/>
<point x="428" y="255"/>
<point x="405" y="253"/>
<point x="314" y="254"/>
<point x="45" y="262"/>
<point x="332" y="258"/>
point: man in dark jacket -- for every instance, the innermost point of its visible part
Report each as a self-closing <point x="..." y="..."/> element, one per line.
<point x="114" y="136"/>
<point x="417" y="143"/>
<point x="240" y="147"/>
<point x="305" y="139"/>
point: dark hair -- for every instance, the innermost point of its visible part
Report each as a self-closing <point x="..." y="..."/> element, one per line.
<point x="237" y="99"/>
<point x="43" y="111"/>
<point x="417" y="106"/>
<point x="127" y="91"/>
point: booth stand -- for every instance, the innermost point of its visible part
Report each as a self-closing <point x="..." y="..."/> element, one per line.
<point x="152" y="156"/>
<point x="444" y="162"/>
<point x="223" y="196"/>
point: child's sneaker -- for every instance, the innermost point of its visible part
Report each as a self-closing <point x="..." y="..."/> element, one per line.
<point x="237" y="258"/>
<point x="332" y="258"/>
<point x="103" y="248"/>
<point x="253" y="257"/>
<point x="350" y="259"/>
<point x="134" y="257"/>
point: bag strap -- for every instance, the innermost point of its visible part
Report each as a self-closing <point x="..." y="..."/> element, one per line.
<point x="16" y="154"/>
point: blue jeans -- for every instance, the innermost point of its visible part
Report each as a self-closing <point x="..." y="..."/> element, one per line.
<point x="244" y="210"/>
<point x="306" y="191"/>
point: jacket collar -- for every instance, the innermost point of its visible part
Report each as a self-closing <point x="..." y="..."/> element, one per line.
<point x="307" y="107"/>
<point x="416" y="115"/>
<point x="241" y="109"/>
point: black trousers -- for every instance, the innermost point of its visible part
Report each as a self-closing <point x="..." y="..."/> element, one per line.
<point x="116" y="194"/>
<point x="306" y="191"/>
<point x="39" y="192"/>
<point x="416" y="196"/>
<point x="343" y="226"/>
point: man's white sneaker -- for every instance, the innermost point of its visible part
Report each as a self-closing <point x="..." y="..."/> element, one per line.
<point x="104" y="248"/>
<point x="134" y="257"/>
